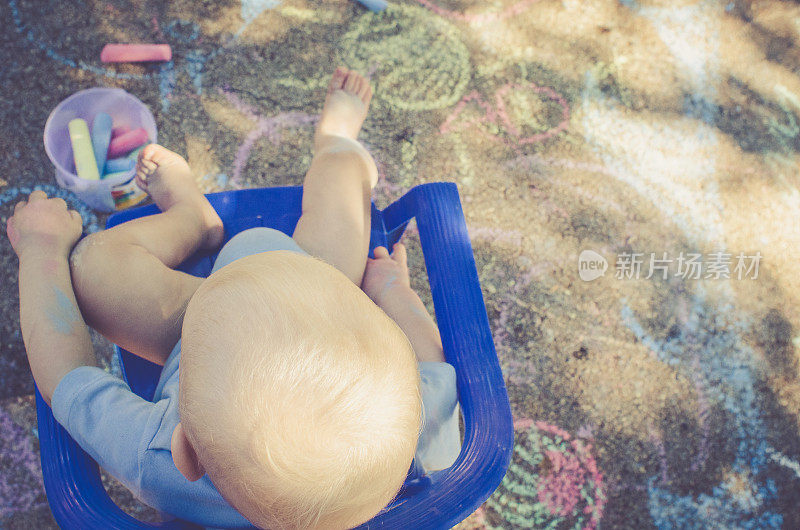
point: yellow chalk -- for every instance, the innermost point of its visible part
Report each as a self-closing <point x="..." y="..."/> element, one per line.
<point x="85" y="163"/>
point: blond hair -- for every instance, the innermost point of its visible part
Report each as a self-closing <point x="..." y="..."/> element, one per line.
<point x="299" y="395"/>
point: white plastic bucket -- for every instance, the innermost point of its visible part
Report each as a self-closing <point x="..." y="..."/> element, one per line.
<point x="125" y="110"/>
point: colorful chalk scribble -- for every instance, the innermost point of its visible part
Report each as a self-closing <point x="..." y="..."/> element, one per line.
<point x="403" y="42"/>
<point x="553" y="482"/>
<point x="497" y="123"/>
<point x="708" y="344"/>
<point x="613" y="126"/>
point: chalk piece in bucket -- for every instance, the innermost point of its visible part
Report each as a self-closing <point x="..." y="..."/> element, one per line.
<point x="121" y="145"/>
<point x="135" y="53"/>
<point x="112" y="176"/>
<point x="119" y="131"/>
<point x="116" y="165"/>
<point x="85" y="163"/>
<point x="101" y="136"/>
<point x="134" y="155"/>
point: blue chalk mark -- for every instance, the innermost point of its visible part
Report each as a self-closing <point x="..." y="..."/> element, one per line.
<point x="195" y="64"/>
<point x="28" y="34"/>
<point x="195" y="61"/>
<point x="373" y="5"/>
<point x="727" y="366"/>
<point x="252" y="8"/>
<point x="65" y="313"/>
<point x="166" y="83"/>
<point x="90" y="221"/>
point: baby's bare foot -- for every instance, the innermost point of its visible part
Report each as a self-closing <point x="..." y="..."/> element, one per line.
<point x="345" y="107"/>
<point x="167" y="179"/>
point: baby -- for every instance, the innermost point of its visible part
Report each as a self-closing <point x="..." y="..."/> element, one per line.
<point x="299" y="379"/>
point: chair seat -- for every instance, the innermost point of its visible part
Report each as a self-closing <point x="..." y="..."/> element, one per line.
<point x="437" y="500"/>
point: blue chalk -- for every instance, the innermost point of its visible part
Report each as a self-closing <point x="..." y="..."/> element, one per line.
<point x="101" y="137"/>
<point x="373" y="5"/>
<point x="111" y="176"/>
<point x="116" y="165"/>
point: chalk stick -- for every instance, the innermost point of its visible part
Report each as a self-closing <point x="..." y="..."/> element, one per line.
<point x="115" y="165"/>
<point x="114" y="175"/>
<point x="122" y="145"/>
<point x="101" y="136"/>
<point x="373" y="5"/>
<point x="119" y="131"/>
<point x="134" y="155"/>
<point x="81" y="140"/>
<point x="135" y="53"/>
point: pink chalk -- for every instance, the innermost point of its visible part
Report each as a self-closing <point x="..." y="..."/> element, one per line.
<point x="127" y="142"/>
<point x="135" y="53"/>
<point x="119" y="131"/>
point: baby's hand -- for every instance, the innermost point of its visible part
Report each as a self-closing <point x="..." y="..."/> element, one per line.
<point x="386" y="274"/>
<point x="43" y="225"/>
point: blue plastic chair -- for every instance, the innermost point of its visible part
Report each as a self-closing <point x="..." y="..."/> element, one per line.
<point x="438" y="500"/>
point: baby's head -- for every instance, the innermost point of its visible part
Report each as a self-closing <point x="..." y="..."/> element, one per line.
<point x="299" y="396"/>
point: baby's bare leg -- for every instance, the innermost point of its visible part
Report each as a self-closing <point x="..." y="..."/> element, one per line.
<point x="335" y="224"/>
<point x="123" y="278"/>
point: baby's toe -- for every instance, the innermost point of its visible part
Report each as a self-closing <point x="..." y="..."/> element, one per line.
<point x="337" y="81"/>
<point x="350" y="83"/>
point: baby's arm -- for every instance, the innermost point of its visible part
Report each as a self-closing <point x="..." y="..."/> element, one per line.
<point x="386" y="283"/>
<point x="43" y="232"/>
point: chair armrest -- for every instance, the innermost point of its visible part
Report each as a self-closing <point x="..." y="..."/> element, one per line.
<point x="468" y="346"/>
<point x="72" y="482"/>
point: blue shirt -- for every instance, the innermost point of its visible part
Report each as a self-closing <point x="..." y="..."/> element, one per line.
<point x="131" y="437"/>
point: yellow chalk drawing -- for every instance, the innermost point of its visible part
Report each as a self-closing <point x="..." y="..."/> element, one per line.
<point x="416" y="61"/>
<point x="408" y="167"/>
<point x="3" y="183"/>
<point x="294" y="12"/>
<point x="466" y="165"/>
<point x="607" y="78"/>
<point x="305" y="15"/>
<point x="308" y="85"/>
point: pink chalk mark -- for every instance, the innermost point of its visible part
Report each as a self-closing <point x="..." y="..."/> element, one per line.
<point x="269" y="127"/>
<point x="510" y="11"/>
<point x="157" y="29"/>
<point x="498" y="115"/>
<point x="523" y="424"/>
<point x="490" y="115"/>
<point x="560" y="490"/>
